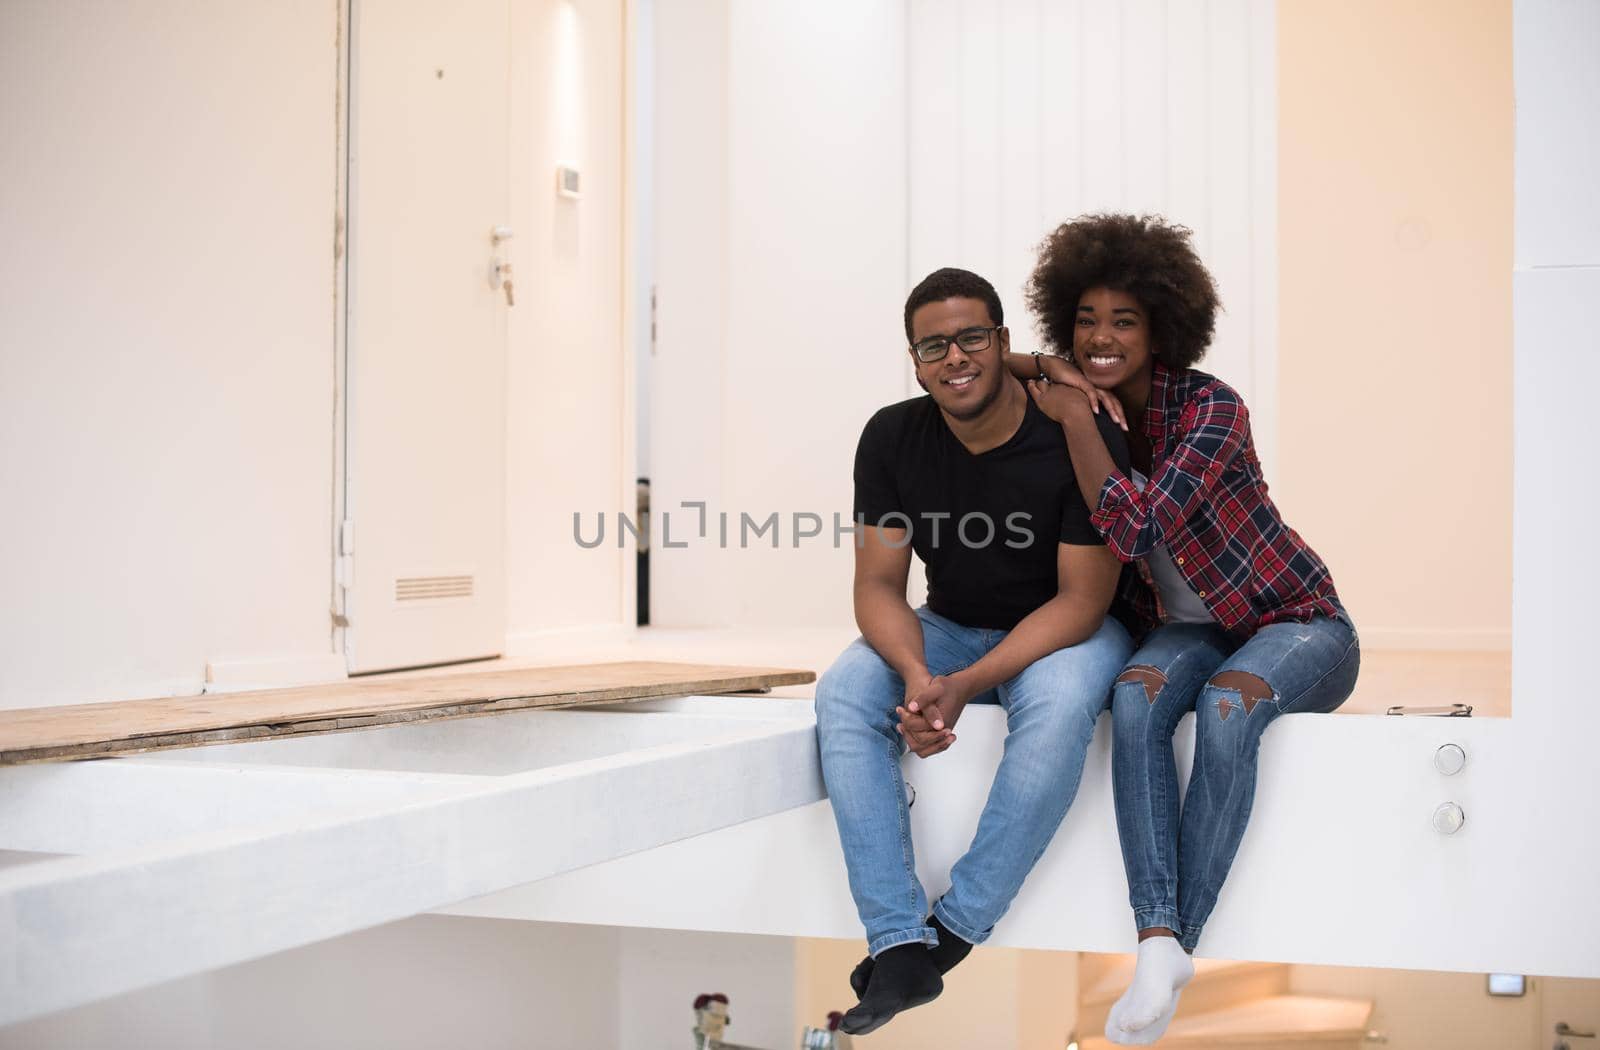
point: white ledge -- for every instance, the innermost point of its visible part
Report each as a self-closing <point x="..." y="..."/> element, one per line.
<point x="1340" y="864"/>
<point x="708" y="814"/>
<point x="82" y="928"/>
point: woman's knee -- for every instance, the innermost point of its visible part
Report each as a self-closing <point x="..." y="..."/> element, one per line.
<point x="1134" y="694"/>
<point x="1231" y="715"/>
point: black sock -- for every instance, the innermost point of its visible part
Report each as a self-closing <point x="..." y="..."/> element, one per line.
<point x="950" y="951"/>
<point x="902" y="977"/>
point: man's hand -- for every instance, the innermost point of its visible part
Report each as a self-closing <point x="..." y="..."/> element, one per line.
<point x="915" y="681"/>
<point x="928" y="717"/>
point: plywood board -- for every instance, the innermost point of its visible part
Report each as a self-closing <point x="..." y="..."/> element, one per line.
<point x="124" y="727"/>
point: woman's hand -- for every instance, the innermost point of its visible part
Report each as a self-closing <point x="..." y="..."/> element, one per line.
<point x="1062" y="388"/>
<point x="1058" y="400"/>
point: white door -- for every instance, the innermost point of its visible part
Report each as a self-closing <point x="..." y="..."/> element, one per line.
<point x="427" y="333"/>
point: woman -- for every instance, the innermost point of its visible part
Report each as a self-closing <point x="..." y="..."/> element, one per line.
<point x="1243" y="621"/>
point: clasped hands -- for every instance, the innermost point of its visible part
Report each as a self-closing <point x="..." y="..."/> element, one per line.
<point x="929" y="712"/>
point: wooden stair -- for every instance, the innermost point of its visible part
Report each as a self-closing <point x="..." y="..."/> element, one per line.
<point x="1228" y="1004"/>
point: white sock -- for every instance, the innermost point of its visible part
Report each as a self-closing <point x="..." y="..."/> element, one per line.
<point x="1141" y="1016"/>
<point x="1144" y="1036"/>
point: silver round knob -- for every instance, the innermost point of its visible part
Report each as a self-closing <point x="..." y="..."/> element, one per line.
<point x="1448" y="818"/>
<point x="1450" y="759"/>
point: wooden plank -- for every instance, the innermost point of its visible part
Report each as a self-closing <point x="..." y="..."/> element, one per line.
<point x="43" y="734"/>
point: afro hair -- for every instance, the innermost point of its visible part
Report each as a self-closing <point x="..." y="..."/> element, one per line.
<point x="1143" y="255"/>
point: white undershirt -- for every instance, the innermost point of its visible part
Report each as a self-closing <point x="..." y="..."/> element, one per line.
<point x="1182" y="605"/>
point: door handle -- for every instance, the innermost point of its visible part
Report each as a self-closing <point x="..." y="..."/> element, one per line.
<point x="500" y="271"/>
<point x="500" y="277"/>
<point x="1565" y="1029"/>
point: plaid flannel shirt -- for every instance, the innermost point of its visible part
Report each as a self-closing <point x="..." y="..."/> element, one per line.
<point x="1207" y="502"/>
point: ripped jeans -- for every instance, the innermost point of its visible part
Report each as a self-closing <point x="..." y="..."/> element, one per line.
<point x="1176" y="864"/>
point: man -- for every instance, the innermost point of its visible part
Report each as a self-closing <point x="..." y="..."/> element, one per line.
<point x="977" y="481"/>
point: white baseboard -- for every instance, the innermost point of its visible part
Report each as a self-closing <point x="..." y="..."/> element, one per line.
<point x="237" y="676"/>
<point x="564" y="642"/>
<point x="1396" y="638"/>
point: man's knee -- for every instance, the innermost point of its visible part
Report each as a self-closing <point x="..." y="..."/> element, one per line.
<point x="1083" y="671"/>
<point x="859" y="686"/>
<point x="1064" y="687"/>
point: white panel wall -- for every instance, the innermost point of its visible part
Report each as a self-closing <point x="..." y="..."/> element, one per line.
<point x="1558" y="138"/>
<point x="1556" y="285"/>
<point x="1025" y="113"/>
<point x="691" y="271"/>
<point x="780" y="273"/>
<point x="166" y="343"/>
<point x="931" y="133"/>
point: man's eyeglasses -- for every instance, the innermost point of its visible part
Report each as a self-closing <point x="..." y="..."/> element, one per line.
<point x="971" y="341"/>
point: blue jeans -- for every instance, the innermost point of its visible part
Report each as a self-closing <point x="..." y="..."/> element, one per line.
<point x="1051" y="708"/>
<point x="1176" y="864"/>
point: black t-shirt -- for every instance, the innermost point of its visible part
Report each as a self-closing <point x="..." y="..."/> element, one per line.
<point x="986" y="526"/>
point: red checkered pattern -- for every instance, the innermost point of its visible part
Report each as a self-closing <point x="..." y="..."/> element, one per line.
<point x="1207" y="501"/>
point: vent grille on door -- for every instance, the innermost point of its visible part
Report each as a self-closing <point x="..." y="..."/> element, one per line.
<point x="422" y="588"/>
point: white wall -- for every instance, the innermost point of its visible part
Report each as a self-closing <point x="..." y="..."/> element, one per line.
<point x="780" y="273"/>
<point x="569" y="397"/>
<point x="424" y="983"/>
<point x="167" y="340"/>
<point x="166" y="343"/>
<point x="1396" y="192"/>
<point x="662" y="971"/>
